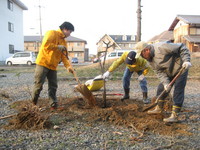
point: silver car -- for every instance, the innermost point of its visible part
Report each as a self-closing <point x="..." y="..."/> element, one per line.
<point x="21" y="58"/>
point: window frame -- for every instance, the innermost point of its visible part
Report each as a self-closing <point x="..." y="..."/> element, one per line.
<point x="11" y="49"/>
<point x="10" y="5"/>
<point x="10" y="27"/>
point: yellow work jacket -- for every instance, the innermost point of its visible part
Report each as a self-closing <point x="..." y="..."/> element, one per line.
<point x="139" y="65"/>
<point x="49" y="55"/>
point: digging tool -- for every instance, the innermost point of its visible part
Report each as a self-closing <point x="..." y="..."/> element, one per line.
<point x="82" y="88"/>
<point x="103" y="70"/>
<point x="164" y="91"/>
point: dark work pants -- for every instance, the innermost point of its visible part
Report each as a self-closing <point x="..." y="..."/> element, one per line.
<point x="40" y="75"/>
<point x="179" y="90"/>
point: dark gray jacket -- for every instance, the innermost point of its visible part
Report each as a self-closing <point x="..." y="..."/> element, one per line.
<point x="168" y="59"/>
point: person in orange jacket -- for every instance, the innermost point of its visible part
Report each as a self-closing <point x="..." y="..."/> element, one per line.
<point x="53" y="49"/>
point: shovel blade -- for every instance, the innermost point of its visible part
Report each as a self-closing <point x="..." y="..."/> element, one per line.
<point x="87" y="94"/>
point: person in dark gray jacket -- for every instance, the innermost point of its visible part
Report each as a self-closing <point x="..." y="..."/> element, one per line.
<point x="167" y="59"/>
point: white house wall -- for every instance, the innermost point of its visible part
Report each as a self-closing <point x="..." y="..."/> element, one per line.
<point x="15" y="38"/>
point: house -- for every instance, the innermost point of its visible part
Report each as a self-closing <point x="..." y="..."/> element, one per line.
<point x="186" y="29"/>
<point x="163" y="37"/>
<point x="118" y="42"/>
<point x="32" y="43"/>
<point x="76" y="46"/>
<point x="11" y="27"/>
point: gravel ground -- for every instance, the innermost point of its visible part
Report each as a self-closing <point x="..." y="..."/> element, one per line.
<point x="75" y="134"/>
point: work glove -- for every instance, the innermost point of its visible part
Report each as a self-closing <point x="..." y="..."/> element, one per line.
<point x="186" y="65"/>
<point x="71" y="70"/>
<point x="106" y="74"/>
<point x="141" y="77"/>
<point x="167" y="88"/>
<point x="145" y="71"/>
<point x="62" y="48"/>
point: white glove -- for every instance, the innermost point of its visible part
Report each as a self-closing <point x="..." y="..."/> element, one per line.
<point x="186" y="65"/>
<point x="106" y="74"/>
<point x="167" y="87"/>
<point x="88" y="82"/>
<point x="62" y="48"/>
<point x="141" y="77"/>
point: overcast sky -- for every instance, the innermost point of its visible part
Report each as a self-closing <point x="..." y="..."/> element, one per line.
<point x="94" y="18"/>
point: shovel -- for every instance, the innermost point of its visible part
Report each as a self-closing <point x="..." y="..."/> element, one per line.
<point x="82" y="88"/>
<point x="164" y="91"/>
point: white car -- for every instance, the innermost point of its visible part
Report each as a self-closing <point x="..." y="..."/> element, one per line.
<point x="114" y="54"/>
<point x="21" y="58"/>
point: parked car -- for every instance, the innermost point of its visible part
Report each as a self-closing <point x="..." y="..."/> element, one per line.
<point x="74" y="60"/>
<point x="21" y="58"/>
<point x="114" y="54"/>
<point x="95" y="60"/>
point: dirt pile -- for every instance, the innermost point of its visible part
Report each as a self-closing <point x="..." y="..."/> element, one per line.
<point x="128" y="114"/>
<point x="29" y="117"/>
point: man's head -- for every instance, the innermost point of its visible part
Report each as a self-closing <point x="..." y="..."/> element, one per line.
<point x="146" y="53"/>
<point x="67" y="28"/>
<point x="139" y="47"/>
<point x="130" y="59"/>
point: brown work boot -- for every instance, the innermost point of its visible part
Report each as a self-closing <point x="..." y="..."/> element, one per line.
<point x="174" y="116"/>
<point x="158" y="109"/>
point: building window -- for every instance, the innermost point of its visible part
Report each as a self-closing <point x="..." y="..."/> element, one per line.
<point x="10" y="5"/>
<point x="11" y="49"/>
<point x="133" y="38"/>
<point x="10" y="27"/>
<point x="78" y="44"/>
<point x="124" y="38"/>
<point x="194" y="31"/>
<point x="198" y="31"/>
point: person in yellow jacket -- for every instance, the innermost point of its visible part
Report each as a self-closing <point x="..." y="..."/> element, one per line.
<point x="53" y="49"/>
<point x="138" y="65"/>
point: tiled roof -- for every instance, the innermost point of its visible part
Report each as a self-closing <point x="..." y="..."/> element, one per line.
<point x="119" y="38"/>
<point x="164" y="36"/>
<point x="31" y="38"/>
<point x="193" y="39"/>
<point x="189" y="19"/>
<point x="74" y="39"/>
<point x="37" y="38"/>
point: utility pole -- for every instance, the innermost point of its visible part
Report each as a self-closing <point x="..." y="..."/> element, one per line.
<point x="139" y="18"/>
<point x="40" y="20"/>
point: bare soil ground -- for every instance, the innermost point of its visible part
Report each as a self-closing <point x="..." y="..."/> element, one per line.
<point x="123" y="125"/>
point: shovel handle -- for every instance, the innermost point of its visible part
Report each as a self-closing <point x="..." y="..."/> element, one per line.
<point x="164" y="91"/>
<point x="171" y="83"/>
<point x="75" y="76"/>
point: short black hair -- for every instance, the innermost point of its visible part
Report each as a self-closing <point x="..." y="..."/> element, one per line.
<point x="67" y="25"/>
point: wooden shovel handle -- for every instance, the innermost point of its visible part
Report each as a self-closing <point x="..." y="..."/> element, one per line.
<point x="164" y="91"/>
<point x="75" y="76"/>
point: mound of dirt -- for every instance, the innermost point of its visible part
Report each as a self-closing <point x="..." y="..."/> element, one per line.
<point x="128" y="114"/>
<point x="29" y="117"/>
